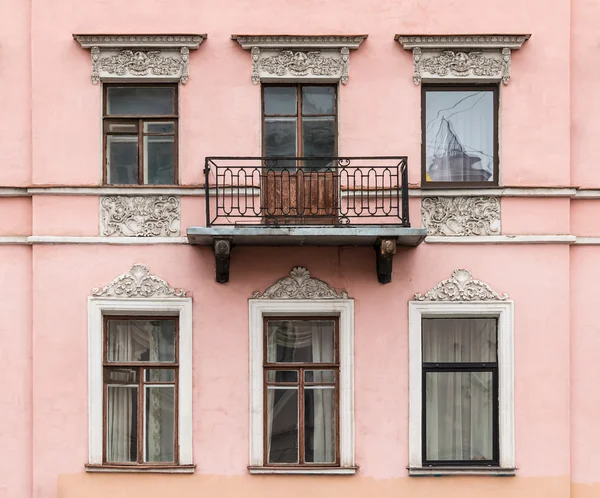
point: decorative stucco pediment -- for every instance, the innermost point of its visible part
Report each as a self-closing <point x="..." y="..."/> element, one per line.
<point x="471" y="58"/>
<point x="138" y="282"/>
<point x="460" y="287"/>
<point x="300" y="285"/>
<point x="293" y="58"/>
<point x="155" y="57"/>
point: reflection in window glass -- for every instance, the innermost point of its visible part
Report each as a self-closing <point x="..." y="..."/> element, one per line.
<point x="459" y="135"/>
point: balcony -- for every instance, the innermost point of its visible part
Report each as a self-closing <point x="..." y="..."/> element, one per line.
<point x="318" y="201"/>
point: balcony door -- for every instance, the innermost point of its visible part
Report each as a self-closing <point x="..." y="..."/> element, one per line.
<point x="299" y="185"/>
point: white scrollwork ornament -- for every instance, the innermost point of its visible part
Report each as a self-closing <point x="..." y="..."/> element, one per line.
<point x="138" y="282"/>
<point x="461" y="216"/>
<point x="461" y="287"/>
<point x="300" y="285"/>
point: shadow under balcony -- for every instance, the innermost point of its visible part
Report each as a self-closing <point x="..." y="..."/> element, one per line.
<point x="316" y="201"/>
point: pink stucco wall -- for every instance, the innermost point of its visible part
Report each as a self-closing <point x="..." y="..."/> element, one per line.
<point x="50" y="136"/>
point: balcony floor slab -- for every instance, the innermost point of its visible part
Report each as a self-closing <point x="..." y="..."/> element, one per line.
<point x="314" y="235"/>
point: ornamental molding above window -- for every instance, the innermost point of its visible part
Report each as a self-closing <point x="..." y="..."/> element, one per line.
<point x="461" y="57"/>
<point x="460" y="287"/>
<point x="138" y="282"/>
<point x="300" y="285"/>
<point x="155" y="57"/>
<point x="293" y="58"/>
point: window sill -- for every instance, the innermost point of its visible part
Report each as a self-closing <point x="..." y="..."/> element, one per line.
<point x="461" y="471"/>
<point x="142" y="469"/>
<point x="344" y="471"/>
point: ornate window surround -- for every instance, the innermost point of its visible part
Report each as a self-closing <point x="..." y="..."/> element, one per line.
<point x="311" y="58"/>
<point x="461" y="58"/>
<point x="138" y="292"/>
<point x="458" y="297"/>
<point x="140" y="57"/>
<point x="300" y="294"/>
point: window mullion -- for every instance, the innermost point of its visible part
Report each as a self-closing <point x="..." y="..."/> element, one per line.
<point x="301" y="456"/>
<point x="140" y="414"/>
<point x="299" y="148"/>
<point x="140" y="152"/>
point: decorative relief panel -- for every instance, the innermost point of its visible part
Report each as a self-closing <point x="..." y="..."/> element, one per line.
<point x="485" y="57"/>
<point x="294" y="57"/>
<point x="138" y="282"/>
<point x="140" y="56"/>
<point x="140" y="216"/>
<point x="461" y="216"/>
<point x="460" y="287"/>
<point x="300" y="285"/>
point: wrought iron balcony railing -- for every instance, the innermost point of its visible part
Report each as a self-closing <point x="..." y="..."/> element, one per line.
<point x="306" y="191"/>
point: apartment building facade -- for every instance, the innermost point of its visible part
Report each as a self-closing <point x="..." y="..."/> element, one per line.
<point x="324" y="248"/>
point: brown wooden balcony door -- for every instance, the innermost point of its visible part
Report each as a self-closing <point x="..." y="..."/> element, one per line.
<point x="299" y="129"/>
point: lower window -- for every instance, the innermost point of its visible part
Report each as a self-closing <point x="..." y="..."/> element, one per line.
<point x="140" y="390"/>
<point x="460" y="391"/>
<point x="301" y="379"/>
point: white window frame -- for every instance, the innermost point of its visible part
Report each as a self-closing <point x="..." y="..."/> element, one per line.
<point x="342" y="308"/>
<point x="504" y="312"/>
<point x="98" y="307"/>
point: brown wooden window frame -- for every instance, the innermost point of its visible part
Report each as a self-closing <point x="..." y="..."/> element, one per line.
<point x="140" y="366"/>
<point x="426" y="87"/>
<point x="141" y="119"/>
<point x="299" y="115"/>
<point x="300" y="367"/>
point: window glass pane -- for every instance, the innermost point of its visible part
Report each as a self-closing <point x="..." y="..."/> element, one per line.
<point x="280" y="100"/>
<point x="122" y="159"/>
<point x="319" y="376"/>
<point x="121" y="376"/>
<point x="455" y="340"/>
<point x="459" y="136"/>
<point x="318" y="100"/>
<point x="310" y="341"/>
<point x="160" y="375"/>
<point x="160" y="424"/>
<point x="121" y="423"/>
<point x="282" y="425"/>
<point x="318" y="138"/>
<point x="280" y="137"/>
<point x="140" y="101"/>
<point x="319" y="425"/>
<point x="159" y="160"/>
<point x="459" y="415"/>
<point x="159" y="127"/>
<point x="141" y="340"/>
<point x="121" y="126"/>
<point x="282" y="376"/>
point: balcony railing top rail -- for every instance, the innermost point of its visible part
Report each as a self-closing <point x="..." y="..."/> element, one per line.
<point x="284" y="191"/>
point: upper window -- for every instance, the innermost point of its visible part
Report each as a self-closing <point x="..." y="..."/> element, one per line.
<point x="301" y="374"/>
<point x="459" y="136"/>
<point x="300" y="120"/>
<point x="140" y="390"/>
<point x="140" y="134"/>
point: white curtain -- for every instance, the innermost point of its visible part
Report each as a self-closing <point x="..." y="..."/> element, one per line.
<point x="319" y="338"/>
<point x="459" y="405"/>
<point x="138" y="341"/>
<point x="324" y="399"/>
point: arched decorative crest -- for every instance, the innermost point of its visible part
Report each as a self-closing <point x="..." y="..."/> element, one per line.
<point x="300" y="285"/>
<point x="138" y="282"/>
<point x="460" y="287"/>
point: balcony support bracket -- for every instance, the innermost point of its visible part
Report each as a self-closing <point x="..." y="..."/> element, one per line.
<point x="385" y="248"/>
<point x="222" y="248"/>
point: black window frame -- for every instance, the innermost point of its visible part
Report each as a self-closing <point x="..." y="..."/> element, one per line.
<point x="428" y="367"/>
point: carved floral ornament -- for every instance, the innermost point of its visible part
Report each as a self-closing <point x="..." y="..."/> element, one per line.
<point x="138" y="282"/>
<point x="290" y="58"/>
<point x="140" y="56"/>
<point x="462" y="57"/>
<point x="140" y="216"/>
<point x="461" y="216"/>
<point x="460" y="287"/>
<point x="300" y="285"/>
